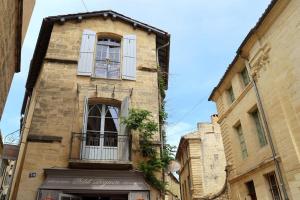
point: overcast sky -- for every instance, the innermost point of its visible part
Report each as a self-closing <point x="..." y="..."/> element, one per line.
<point x="205" y="35"/>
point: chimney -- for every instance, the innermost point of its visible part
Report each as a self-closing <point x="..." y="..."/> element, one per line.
<point x="214" y="118"/>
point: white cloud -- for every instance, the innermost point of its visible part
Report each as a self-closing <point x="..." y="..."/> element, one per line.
<point x="175" y="131"/>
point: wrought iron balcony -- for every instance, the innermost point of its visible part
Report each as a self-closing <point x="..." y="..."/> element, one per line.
<point x="106" y="150"/>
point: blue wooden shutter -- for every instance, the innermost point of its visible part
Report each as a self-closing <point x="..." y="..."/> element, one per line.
<point x="129" y="57"/>
<point x="86" y="57"/>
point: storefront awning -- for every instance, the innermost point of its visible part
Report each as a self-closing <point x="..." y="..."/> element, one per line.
<point x="95" y="180"/>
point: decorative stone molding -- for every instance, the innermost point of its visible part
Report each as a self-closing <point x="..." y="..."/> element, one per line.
<point x="260" y="61"/>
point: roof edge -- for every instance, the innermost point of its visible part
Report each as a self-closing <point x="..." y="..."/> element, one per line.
<point x="243" y="44"/>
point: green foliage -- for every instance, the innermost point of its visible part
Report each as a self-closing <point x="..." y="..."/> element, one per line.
<point x="168" y="155"/>
<point x="141" y="121"/>
<point x="161" y="86"/>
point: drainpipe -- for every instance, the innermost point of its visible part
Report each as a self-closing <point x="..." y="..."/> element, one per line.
<point x="266" y="125"/>
<point x="159" y="128"/>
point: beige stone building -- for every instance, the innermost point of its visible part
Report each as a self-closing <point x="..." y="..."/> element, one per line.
<point x="173" y="187"/>
<point x="9" y="156"/>
<point x="14" y="21"/>
<point x="202" y="160"/>
<point x="258" y="102"/>
<point x="87" y="71"/>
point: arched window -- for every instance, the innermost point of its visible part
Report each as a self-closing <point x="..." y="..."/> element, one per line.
<point x="102" y="125"/>
<point x="107" y="63"/>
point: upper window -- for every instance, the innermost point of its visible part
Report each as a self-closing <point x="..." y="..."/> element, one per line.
<point x="260" y="130"/>
<point x="245" y="76"/>
<point x="107" y="63"/>
<point x="231" y="94"/>
<point x="101" y="57"/>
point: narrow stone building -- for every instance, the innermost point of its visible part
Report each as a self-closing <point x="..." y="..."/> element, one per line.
<point x="88" y="70"/>
<point x="202" y="159"/>
<point x="14" y="20"/>
<point x="258" y="102"/>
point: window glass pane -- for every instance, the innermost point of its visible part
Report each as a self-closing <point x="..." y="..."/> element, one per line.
<point x="101" y="69"/>
<point x="114" y="54"/>
<point x="245" y="76"/>
<point x="242" y="141"/>
<point x="93" y="125"/>
<point x="108" y="59"/>
<point x="259" y="128"/>
<point x="231" y="94"/>
<point x="101" y="52"/>
<point x="113" y="71"/>
<point x="111" y="126"/>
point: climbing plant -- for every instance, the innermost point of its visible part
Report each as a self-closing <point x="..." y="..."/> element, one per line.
<point x="141" y="121"/>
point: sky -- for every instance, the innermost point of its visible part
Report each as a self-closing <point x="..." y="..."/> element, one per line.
<point x="205" y="35"/>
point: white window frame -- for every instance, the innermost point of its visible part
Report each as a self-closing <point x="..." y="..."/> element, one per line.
<point x="107" y="59"/>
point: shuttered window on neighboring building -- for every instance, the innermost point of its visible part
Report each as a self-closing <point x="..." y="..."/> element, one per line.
<point x="260" y="130"/>
<point x="245" y="76"/>
<point x="242" y="141"/>
<point x="102" y="57"/>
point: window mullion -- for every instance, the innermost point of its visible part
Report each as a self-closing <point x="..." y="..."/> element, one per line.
<point x="102" y="120"/>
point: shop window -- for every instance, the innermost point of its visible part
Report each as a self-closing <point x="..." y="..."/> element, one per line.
<point x="273" y="184"/>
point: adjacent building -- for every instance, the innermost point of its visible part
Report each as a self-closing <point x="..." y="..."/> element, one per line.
<point x="173" y="187"/>
<point x="88" y="70"/>
<point x="14" y="21"/>
<point x="9" y="157"/>
<point x="258" y="102"/>
<point x="202" y="160"/>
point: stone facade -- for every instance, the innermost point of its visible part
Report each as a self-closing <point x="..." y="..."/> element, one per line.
<point x="56" y="107"/>
<point x="173" y="187"/>
<point x="202" y="159"/>
<point x="270" y="56"/>
<point x="13" y="30"/>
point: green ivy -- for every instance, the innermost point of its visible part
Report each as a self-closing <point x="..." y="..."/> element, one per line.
<point x="142" y="122"/>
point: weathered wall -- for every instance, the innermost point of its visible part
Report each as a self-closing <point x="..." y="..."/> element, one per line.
<point x="205" y="163"/>
<point x="8" y="27"/>
<point x="58" y="103"/>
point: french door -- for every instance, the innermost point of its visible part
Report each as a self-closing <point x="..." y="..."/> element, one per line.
<point x="100" y="140"/>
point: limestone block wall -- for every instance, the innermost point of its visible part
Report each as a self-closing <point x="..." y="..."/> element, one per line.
<point x="279" y="83"/>
<point x="8" y="26"/>
<point x="274" y="61"/>
<point x="57" y="104"/>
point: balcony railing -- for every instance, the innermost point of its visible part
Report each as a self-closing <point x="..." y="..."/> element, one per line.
<point x="100" y="147"/>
